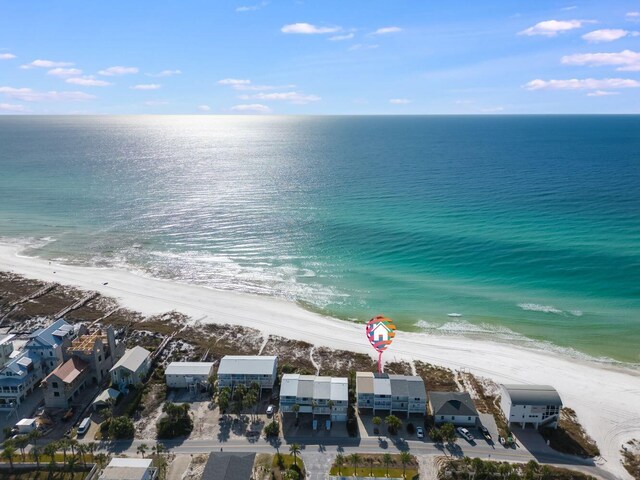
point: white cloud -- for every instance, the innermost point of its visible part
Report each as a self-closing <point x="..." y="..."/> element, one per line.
<point x="582" y="84"/>
<point x="155" y="103"/>
<point x="308" y="29"/>
<point x="7" y="56"/>
<point x="204" y="108"/>
<point x="399" y="101"/>
<point x="551" y="28"/>
<point x="492" y="110"/>
<point x="12" y="107"/>
<point x="165" y="73"/>
<point x="339" y="38"/>
<point x="602" y="93"/>
<point x="118" y="71"/>
<point x="569" y="8"/>
<point x="146" y="86"/>
<point x="234" y="81"/>
<point x="386" y="30"/>
<point x="29" y="95"/>
<point x="88" y="81"/>
<point x="608" y="35"/>
<point x="46" y="64"/>
<point x="632" y="15"/>
<point x="251" y="108"/>
<point x="293" y="97"/>
<point x="252" y="8"/>
<point x="64" y="72"/>
<point x="362" y="46"/>
<point x="625" y="61"/>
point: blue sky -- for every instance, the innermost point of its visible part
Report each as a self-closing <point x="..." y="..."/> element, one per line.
<point x="319" y="57"/>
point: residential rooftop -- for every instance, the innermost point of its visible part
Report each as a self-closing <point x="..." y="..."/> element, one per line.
<point x="132" y="359"/>
<point x="69" y="370"/>
<point x="247" y="365"/>
<point x="533" y="395"/>
<point x="189" y="368"/>
<point x="452" y="403"/>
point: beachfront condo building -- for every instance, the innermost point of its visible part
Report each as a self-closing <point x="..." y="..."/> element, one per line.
<point x="537" y="405"/>
<point x="49" y="344"/>
<point x="18" y="378"/>
<point x="382" y="392"/>
<point x="453" y="407"/>
<point x="315" y="395"/>
<point x="246" y="369"/>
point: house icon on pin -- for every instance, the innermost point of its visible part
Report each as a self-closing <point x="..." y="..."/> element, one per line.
<point x="380" y="333"/>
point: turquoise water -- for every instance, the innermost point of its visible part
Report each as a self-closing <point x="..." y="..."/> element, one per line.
<point x="528" y="226"/>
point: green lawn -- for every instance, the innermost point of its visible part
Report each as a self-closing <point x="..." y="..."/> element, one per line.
<point x="44" y="475"/>
<point x="373" y="466"/>
<point x="287" y="464"/>
<point x="347" y="471"/>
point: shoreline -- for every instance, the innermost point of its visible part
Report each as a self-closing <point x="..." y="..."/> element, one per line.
<point x="605" y="396"/>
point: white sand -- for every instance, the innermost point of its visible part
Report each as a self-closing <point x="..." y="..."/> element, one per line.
<point x="606" y="398"/>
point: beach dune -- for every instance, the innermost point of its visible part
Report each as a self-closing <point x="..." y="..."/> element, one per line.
<point x="606" y="397"/>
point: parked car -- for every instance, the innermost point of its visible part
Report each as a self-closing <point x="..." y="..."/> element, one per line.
<point x="464" y="433"/>
<point x="502" y="440"/>
<point x="84" y="426"/>
<point x="485" y="432"/>
<point x="271" y="409"/>
<point x="419" y="432"/>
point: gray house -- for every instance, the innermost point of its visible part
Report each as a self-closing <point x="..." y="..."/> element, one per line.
<point x="538" y="405"/>
<point x="391" y="393"/>
<point x="453" y="407"/>
<point x="229" y="466"/>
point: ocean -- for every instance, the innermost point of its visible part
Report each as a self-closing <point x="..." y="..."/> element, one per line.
<point x="527" y="227"/>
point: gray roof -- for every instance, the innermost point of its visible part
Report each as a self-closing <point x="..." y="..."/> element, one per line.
<point x="133" y="359"/>
<point x="399" y="387"/>
<point x="126" y="469"/>
<point x="189" y="368"/>
<point x="416" y="388"/>
<point x="229" y="466"/>
<point x="452" y="403"/>
<point x="314" y="387"/>
<point x="247" y="365"/>
<point x="532" y="395"/>
<point x="53" y="334"/>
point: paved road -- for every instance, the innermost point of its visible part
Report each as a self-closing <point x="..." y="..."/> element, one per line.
<point x="320" y="456"/>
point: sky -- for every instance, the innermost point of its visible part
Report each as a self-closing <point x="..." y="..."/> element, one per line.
<point x="327" y="57"/>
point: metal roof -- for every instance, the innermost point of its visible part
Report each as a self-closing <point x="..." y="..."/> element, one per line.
<point x="247" y="365"/>
<point x="189" y="368"/>
<point x="364" y="382"/>
<point x="381" y="385"/>
<point x="340" y="389"/>
<point x="532" y="395"/>
<point x="132" y="359"/>
<point x="416" y="388"/>
<point x="52" y="334"/>
<point x="314" y="387"/>
<point x="399" y="387"/>
<point x="126" y="469"/>
<point x="452" y="403"/>
<point x="69" y="370"/>
<point x="322" y="388"/>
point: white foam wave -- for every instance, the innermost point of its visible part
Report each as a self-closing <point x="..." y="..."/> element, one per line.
<point x="534" y="307"/>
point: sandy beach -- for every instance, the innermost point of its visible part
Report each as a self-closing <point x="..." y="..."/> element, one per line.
<point x="605" y="397"/>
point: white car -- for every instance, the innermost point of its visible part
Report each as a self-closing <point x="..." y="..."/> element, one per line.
<point x="271" y="409"/>
<point x="419" y="432"/>
<point x="464" y="433"/>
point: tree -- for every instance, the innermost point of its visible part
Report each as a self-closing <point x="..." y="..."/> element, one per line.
<point x="355" y="460"/>
<point x="71" y="463"/>
<point x="142" y="449"/>
<point x="177" y="421"/>
<point x="7" y="432"/>
<point x="50" y="451"/>
<point x="35" y="451"/>
<point x="121" y="428"/>
<point x="296" y="409"/>
<point x="435" y="434"/>
<point x="405" y="458"/>
<point x="449" y="433"/>
<point x="8" y="453"/>
<point x="505" y="469"/>
<point x="101" y="459"/>
<point x="272" y="429"/>
<point x="64" y="446"/>
<point x="387" y="459"/>
<point x="393" y="424"/>
<point x="294" y="449"/>
<point x="34" y="435"/>
<point x="371" y="466"/>
<point x="91" y="448"/>
<point x="82" y="449"/>
<point x="158" y="448"/>
<point x="21" y="442"/>
<point x="249" y="401"/>
<point x="339" y="463"/>
<point x="73" y="444"/>
<point x="330" y="404"/>
<point x="223" y="399"/>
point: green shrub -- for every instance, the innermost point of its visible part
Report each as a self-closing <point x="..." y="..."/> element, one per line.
<point x="352" y="427"/>
<point x="177" y="421"/>
<point x="272" y="429"/>
<point x="121" y="428"/>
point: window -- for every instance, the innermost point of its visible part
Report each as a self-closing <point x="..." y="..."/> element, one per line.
<point x="442" y="417"/>
<point x="469" y="418"/>
<point x="56" y="394"/>
<point x="50" y="353"/>
<point x="54" y="384"/>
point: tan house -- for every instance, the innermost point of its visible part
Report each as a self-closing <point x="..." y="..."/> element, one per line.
<point x="99" y="349"/>
<point x="131" y="369"/>
<point x="63" y="386"/>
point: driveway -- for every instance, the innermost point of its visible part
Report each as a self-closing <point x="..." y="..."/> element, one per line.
<point x="317" y="463"/>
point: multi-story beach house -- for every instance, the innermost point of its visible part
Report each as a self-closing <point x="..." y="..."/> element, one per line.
<point x="537" y="405"/>
<point x="49" y="344"/>
<point x="246" y="369"/>
<point x="6" y="348"/>
<point x="18" y="378"/>
<point x="188" y="374"/>
<point x="315" y="395"/>
<point x="453" y="407"/>
<point x="381" y="392"/>
<point x="99" y="350"/>
<point x="65" y="383"/>
<point x="131" y="369"/>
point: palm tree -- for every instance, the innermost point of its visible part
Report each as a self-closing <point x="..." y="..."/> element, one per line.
<point x="71" y="463"/>
<point x="394" y="423"/>
<point x="35" y="451"/>
<point x="8" y="453"/>
<point x="339" y="463"/>
<point x="50" y="451"/>
<point x="142" y="449"/>
<point x="101" y="459"/>
<point x="405" y="457"/>
<point x="387" y="459"/>
<point x="158" y="448"/>
<point x="296" y="409"/>
<point x="64" y="446"/>
<point x="376" y="423"/>
<point x="505" y="469"/>
<point x="294" y="449"/>
<point x="91" y="448"/>
<point x="82" y="451"/>
<point x="371" y="466"/>
<point x="34" y="436"/>
<point x="73" y="444"/>
<point x="355" y="459"/>
<point x="314" y="405"/>
<point x="330" y="404"/>
<point x="21" y="442"/>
